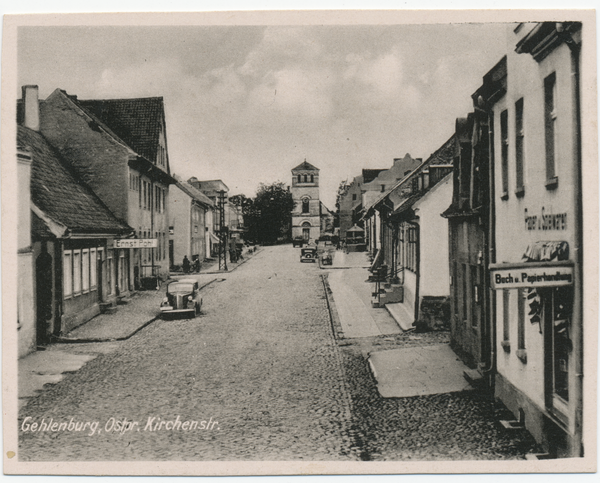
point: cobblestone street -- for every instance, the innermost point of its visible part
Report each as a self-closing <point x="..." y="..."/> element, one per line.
<point x="264" y="371"/>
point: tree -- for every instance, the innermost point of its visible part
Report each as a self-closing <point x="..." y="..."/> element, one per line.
<point x="271" y="213"/>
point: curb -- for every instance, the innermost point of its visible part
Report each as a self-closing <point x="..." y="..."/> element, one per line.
<point x="64" y="340"/>
<point x="336" y="326"/>
<point x="217" y="272"/>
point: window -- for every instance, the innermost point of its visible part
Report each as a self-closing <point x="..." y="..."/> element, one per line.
<point x="354" y="197"/>
<point x="312" y="178"/>
<point x="382" y="188"/>
<point x="122" y="271"/>
<point x="67" y="274"/>
<point x="506" y="320"/>
<point x="305" y="205"/>
<point x="140" y="197"/>
<point x="145" y="198"/>
<point x="109" y="271"/>
<point x="411" y="249"/>
<point x="465" y="292"/>
<point x="76" y="272"/>
<point x="305" y="178"/>
<point x="504" y="159"/>
<point x="94" y="256"/>
<point x="299" y="178"/>
<point x="550" y="117"/>
<point x="519" y="144"/>
<point x="85" y="271"/>
<point x="521" y="354"/>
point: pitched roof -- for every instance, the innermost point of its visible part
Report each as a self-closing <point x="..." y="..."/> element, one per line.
<point x="192" y="192"/>
<point x="305" y="166"/>
<point x="136" y="121"/>
<point x="60" y="195"/>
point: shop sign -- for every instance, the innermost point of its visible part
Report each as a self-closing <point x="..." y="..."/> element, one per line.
<point x="531" y="277"/>
<point x="137" y="243"/>
<point x="545" y="221"/>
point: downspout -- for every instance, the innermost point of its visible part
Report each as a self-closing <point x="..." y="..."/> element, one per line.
<point x="491" y="252"/>
<point x="418" y="257"/>
<point x="577" y="322"/>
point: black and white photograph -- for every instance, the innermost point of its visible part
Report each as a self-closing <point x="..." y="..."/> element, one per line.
<point x="278" y="243"/>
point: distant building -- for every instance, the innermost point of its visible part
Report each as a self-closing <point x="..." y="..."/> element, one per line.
<point x="306" y="216"/>
<point x="414" y="241"/>
<point x="373" y="190"/>
<point x="211" y="189"/>
<point x="189" y="210"/>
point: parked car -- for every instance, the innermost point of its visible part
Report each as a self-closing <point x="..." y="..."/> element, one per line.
<point x="183" y="299"/>
<point x="298" y="241"/>
<point x="308" y="254"/>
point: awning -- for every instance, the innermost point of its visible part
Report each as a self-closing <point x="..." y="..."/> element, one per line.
<point x="214" y="238"/>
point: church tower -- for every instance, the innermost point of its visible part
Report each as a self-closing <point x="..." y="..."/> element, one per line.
<point x="306" y="216"/>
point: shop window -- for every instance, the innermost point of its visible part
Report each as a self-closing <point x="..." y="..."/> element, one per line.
<point x="122" y="271"/>
<point x="519" y="147"/>
<point x="557" y="304"/>
<point x="465" y="292"/>
<point x="76" y="272"/>
<point x="85" y="271"/>
<point x="521" y="296"/>
<point x="504" y="153"/>
<point x="109" y="271"/>
<point x="94" y="256"/>
<point x="550" y="119"/>
<point x="67" y="274"/>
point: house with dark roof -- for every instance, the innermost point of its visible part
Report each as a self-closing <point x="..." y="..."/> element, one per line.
<point x="72" y="236"/>
<point x="118" y="147"/>
<point x="189" y="212"/>
<point x="413" y="256"/>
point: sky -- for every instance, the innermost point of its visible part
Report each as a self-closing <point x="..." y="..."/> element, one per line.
<point x="246" y="104"/>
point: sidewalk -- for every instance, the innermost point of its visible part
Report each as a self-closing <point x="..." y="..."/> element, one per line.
<point x="424" y="368"/>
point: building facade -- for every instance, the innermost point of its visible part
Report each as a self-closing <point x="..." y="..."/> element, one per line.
<point x="189" y="210"/>
<point x="306" y="215"/>
<point x="75" y="266"/>
<point x="118" y="148"/>
<point x="536" y="273"/>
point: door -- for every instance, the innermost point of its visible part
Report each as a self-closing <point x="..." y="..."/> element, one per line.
<point x="557" y="306"/>
<point x="43" y="274"/>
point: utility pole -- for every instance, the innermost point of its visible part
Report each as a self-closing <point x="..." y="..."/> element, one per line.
<point x="222" y="233"/>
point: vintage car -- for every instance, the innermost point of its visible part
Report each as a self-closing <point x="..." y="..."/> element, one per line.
<point x="308" y="254"/>
<point x="298" y="241"/>
<point x="182" y="299"/>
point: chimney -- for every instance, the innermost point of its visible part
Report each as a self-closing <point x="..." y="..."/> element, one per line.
<point x="31" y="107"/>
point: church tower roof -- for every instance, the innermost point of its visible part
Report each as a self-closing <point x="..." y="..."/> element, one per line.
<point x="305" y="166"/>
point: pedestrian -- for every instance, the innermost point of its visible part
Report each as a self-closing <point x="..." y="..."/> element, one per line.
<point x="186" y="264"/>
<point x="196" y="264"/>
<point x="232" y="252"/>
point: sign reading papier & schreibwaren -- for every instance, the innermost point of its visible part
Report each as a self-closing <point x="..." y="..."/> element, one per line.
<point x="531" y="277"/>
<point x="136" y="243"/>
